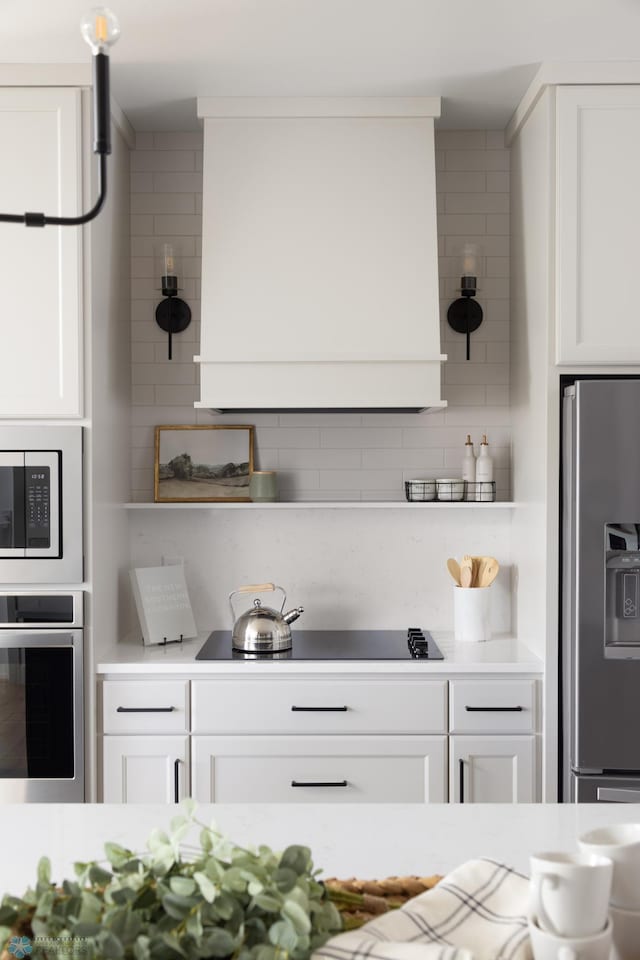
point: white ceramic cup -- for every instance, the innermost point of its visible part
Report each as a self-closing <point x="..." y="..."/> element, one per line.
<point x="570" y="892"/>
<point x="547" y="946"/>
<point x="471" y="614"/>
<point x="621" y="843"/>
<point x="626" y="933"/>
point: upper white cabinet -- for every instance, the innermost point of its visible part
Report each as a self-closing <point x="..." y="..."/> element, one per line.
<point x="319" y="254"/>
<point x="41" y="170"/>
<point x="597" y="217"/>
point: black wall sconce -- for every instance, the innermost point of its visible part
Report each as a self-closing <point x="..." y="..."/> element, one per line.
<point x="465" y="314"/>
<point x="100" y="28"/>
<point x="173" y="315"/>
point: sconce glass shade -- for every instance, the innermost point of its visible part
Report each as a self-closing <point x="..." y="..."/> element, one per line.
<point x="100" y="29"/>
<point x="471" y="259"/>
<point x="168" y="267"/>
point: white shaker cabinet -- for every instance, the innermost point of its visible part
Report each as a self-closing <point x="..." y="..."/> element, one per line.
<point x="319" y="769"/>
<point x="41" y="170"/>
<point x="491" y="769"/>
<point x="597" y="212"/>
<point x="375" y="738"/>
<point x="145" y="769"/>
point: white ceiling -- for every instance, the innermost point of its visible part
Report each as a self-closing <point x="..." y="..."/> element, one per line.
<point x="479" y="55"/>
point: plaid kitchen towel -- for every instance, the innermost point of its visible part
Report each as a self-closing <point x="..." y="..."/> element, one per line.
<point x="478" y="910"/>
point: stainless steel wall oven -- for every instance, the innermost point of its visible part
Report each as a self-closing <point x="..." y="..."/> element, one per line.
<point x="41" y="697"/>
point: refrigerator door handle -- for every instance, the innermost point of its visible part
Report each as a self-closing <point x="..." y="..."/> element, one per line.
<point x="617" y="795"/>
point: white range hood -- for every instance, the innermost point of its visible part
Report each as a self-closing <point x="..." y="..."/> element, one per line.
<point x="319" y="255"/>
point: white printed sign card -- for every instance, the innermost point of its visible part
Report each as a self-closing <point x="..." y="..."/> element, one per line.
<point x="163" y="605"/>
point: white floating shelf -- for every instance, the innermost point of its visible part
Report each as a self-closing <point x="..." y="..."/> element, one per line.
<point x="329" y="505"/>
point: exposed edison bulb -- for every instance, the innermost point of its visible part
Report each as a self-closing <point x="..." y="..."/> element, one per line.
<point x="100" y="28"/>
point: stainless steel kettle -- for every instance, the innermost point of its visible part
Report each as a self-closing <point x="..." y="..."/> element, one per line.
<point x="262" y="629"/>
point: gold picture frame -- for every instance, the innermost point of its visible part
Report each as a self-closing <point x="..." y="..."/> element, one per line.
<point x="198" y="464"/>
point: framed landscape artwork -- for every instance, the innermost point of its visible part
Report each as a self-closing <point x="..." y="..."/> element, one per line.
<point x="202" y="464"/>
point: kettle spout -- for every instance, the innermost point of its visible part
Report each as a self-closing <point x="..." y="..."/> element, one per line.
<point x="292" y="614"/>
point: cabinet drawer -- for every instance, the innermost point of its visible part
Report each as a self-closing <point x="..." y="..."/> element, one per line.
<point x="492" y="706"/>
<point x="319" y="769"/>
<point x="323" y="706"/>
<point x="147" y="706"/>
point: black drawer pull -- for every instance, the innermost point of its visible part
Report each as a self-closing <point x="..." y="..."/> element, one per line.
<point x="494" y="709"/>
<point x="176" y="781"/>
<point x="461" y="769"/>
<point x="145" y="709"/>
<point x="319" y="709"/>
<point x="319" y="783"/>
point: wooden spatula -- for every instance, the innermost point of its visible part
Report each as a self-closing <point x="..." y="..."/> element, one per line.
<point x="454" y="569"/>
<point x="489" y="571"/>
<point x="466" y="571"/>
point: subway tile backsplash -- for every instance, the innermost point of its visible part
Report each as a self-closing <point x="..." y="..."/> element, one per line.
<point x="331" y="456"/>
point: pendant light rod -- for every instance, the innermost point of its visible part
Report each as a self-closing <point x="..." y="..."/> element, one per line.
<point x="100" y="29"/>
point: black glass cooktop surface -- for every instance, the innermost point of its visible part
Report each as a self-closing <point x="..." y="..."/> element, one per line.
<point x="412" y="644"/>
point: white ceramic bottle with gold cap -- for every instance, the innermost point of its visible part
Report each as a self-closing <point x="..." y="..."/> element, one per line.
<point x="469" y="469"/>
<point x="484" y="463"/>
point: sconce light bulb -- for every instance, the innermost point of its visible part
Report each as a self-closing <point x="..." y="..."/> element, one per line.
<point x="100" y="29"/>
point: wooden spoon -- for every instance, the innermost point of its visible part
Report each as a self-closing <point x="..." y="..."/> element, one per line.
<point x="466" y="571"/>
<point x="454" y="569"/>
<point x="476" y="570"/>
<point x="489" y="571"/>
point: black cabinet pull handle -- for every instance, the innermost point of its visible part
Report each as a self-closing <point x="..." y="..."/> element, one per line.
<point x="494" y="709"/>
<point x="461" y="767"/>
<point x="319" y="783"/>
<point x="176" y="781"/>
<point x="319" y="709"/>
<point x="145" y="709"/>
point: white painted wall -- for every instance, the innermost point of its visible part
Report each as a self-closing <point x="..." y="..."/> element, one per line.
<point x="107" y="453"/>
<point x="535" y="461"/>
<point x="348" y="568"/>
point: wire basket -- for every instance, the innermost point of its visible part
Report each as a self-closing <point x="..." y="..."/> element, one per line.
<point x="420" y="490"/>
<point x="482" y="491"/>
<point x="447" y="491"/>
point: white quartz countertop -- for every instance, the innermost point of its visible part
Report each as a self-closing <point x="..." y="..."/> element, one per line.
<point x="363" y="840"/>
<point x="502" y="655"/>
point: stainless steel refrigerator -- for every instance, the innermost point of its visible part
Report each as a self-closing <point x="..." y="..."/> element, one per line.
<point x="600" y="591"/>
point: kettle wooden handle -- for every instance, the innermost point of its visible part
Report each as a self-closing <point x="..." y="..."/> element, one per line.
<point x="256" y="588"/>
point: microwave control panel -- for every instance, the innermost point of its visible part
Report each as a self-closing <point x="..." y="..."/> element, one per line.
<point x="38" y="506"/>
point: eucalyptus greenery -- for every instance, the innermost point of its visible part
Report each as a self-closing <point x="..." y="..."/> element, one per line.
<point x="217" y="900"/>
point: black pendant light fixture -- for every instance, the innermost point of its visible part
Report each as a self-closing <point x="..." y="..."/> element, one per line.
<point x="100" y="29"/>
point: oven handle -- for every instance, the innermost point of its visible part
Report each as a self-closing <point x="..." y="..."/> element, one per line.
<point x="617" y="795"/>
<point x="36" y="638"/>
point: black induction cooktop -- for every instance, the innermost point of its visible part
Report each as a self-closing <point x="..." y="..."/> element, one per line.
<point x="412" y="644"/>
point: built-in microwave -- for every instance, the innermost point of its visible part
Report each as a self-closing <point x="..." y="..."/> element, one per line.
<point x="41" y="504"/>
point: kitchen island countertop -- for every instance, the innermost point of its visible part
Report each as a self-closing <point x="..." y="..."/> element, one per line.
<point x="364" y="840"/>
<point x="502" y="655"/>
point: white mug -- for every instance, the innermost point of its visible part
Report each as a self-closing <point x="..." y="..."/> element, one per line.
<point x="620" y="843"/>
<point x="570" y="892"/>
<point x="626" y="933"/>
<point x="547" y="946"/>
